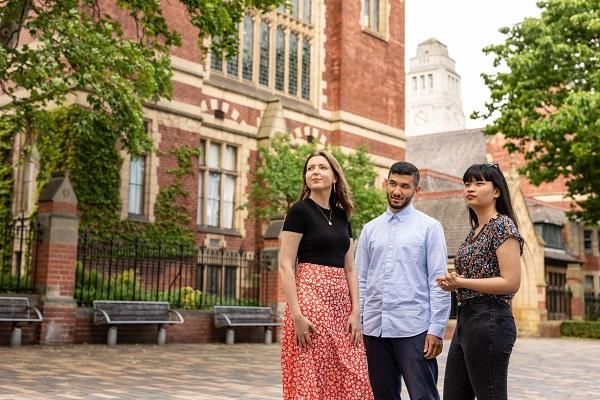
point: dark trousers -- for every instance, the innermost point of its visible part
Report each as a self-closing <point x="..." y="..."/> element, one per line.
<point x="390" y="359"/>
<point x="478" y="357"/>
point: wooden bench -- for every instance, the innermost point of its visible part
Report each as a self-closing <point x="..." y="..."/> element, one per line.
<point x="238" y="316"/>
<point x="17" y="310"/>
<point x="113" y="312"/>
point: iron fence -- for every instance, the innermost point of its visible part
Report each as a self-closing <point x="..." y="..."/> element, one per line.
<point x="201" y="277"/>
<point x="592" y="307"/>
<point x="19" y="243"/>
<point x="558" y="302"/>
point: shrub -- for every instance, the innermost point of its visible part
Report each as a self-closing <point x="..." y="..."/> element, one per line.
<point x="582" y="329"/>
<point x="186" y="297"/>
<point x="10" y="283"/>
<point x="93" y="285"/>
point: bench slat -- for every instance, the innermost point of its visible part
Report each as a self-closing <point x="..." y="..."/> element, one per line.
<point x="17" y="309"/>
<point x="134" y="312"/>
<point x="243" y="316"/>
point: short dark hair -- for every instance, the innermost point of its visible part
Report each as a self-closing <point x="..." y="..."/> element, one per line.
<point x="405" y="168"/>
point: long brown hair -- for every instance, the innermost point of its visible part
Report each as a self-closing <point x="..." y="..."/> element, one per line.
<point x="340" y="195"/>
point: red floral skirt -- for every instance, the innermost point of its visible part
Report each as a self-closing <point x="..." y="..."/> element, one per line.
<point x="331" y="367"/>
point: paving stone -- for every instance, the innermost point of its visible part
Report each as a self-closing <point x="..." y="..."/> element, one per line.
<point x="541" y="369"/>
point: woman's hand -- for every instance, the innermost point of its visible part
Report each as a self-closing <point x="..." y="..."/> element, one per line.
<point x="304" y="329"/>
<point x="449" y="282"/>
<point x="353" y="328"/>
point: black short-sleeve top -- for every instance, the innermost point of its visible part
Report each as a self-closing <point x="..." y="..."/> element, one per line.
<point x="321" y="243"/>
<point x="476" y="256"/>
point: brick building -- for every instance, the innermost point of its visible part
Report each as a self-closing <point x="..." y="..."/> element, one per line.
<point x="326" y="71"/>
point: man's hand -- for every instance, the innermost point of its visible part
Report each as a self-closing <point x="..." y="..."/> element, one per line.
<point x="433" y="347"/>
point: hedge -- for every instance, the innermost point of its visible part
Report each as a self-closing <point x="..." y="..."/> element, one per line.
<point x="582" y="329"/>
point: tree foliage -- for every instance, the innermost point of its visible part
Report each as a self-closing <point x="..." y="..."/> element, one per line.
<point x="546" y="97"/>
<point x="82" y="46"/>
<point x="85" y="144"/>
<point x="109" y="56"/>
<point x="278" y="180"/>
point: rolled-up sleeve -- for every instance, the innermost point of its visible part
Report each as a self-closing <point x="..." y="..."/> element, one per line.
<point x="437" y="263"/>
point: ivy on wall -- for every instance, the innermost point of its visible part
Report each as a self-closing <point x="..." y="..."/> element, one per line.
<point x="172" y="224"/>
<point x="6" y="168"/>
<point x="86" y="144"/>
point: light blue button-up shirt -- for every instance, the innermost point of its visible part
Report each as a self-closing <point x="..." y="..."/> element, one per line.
<point x="398" y="258"/>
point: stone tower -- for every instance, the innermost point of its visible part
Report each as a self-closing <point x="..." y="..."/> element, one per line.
<point x="433" y="95"/>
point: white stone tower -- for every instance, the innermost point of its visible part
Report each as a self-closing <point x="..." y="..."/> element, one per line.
<point x="433" y="98"/>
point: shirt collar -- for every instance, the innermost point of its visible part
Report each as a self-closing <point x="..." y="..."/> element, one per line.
<point x="400" y="215"/>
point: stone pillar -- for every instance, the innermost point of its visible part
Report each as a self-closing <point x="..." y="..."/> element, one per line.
<point x="273" y="294"/>
<point x="271" y="290"/>
<point x="575" y="284"/>
<point x="57" y="260"/>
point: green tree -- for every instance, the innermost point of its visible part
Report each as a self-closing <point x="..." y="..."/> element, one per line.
<point x="545" y="96"/>
<point x="369" y="201"/>
<point x="81" y="48"/>
<point x="278" y="180"/>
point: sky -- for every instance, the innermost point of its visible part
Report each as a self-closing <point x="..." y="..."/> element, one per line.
<point x="465" y="26"/>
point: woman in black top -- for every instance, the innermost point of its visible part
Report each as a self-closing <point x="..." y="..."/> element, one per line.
<point x="322" y="355"/>
<point x="488" y="274"/>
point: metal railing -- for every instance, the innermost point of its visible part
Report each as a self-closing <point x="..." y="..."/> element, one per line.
<point x="187" y="278"/>
<point x="19" y="243"/>
<point x="558" y="302"/>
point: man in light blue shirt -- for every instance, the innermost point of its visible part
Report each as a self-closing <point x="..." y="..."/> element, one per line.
<point x="404" y="312"/>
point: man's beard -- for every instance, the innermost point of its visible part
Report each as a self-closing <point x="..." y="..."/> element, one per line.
<point x="407" y="201"/>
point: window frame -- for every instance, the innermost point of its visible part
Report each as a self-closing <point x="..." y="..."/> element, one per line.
<point x="544" y="229"/>
<point x="143" y="186"/>
<point x="275" y="20"/>
<point x="204" y="172"/>
<point x="374" y="17"/>
<point x="588" y="242"/>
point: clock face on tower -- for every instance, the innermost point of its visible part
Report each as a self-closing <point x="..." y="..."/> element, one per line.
<point x="456" y="117"/>
<point x="421" y="117"/>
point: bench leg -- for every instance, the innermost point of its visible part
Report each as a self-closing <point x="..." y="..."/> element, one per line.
<point x="268" y="335"/>
<point x="230" y="336"/>
<point x="162" y="335"/>
<point x="15" y="337"/>
<point x="111" y="337"/>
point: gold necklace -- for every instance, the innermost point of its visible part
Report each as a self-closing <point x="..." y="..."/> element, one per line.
<point x="322" y="213"/>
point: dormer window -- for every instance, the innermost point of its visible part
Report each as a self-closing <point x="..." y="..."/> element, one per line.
<point x="552" y="235"/>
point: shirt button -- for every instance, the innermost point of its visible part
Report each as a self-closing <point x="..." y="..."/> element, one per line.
<point x="459" y="303"/>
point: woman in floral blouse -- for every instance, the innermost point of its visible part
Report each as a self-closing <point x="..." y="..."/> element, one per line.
<point x="487" y="276"/>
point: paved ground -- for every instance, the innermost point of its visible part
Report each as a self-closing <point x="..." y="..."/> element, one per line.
<point x="541" y="369"/>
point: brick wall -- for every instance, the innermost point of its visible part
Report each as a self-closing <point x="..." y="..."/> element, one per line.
<point x="30" y="333"/>
<point x="177" y="19"/>
<point x="339" y="138"/>
<point x="197" y="328"/>
<point x="171" y="138"/>
<point x="364" y="73"/>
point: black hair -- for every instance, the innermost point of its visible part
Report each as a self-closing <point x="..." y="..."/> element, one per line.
<point x="490" y="172"/>
<point x="405" y="168"/>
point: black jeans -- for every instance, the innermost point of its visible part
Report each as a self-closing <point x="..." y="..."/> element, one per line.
<point x="478" y="357"/>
